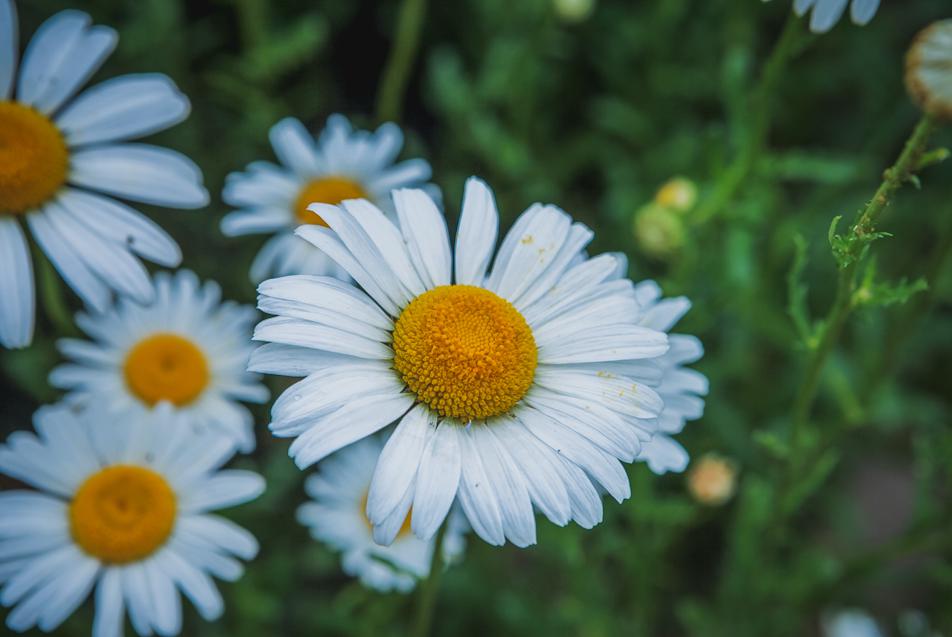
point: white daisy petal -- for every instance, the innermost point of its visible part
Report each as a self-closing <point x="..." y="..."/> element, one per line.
<point x="664" y="454"/>
<point x="109" y="605"/>
<point x="63" y="53"/>
<point x="294" y="146"/>
<point x="406" y="173"/>
<point x="227" y="488"/>
<point x="121" y="224"/>
<point x="254" y="221"/>
<point x="425" y="233"/>
<point x="324" y="239"/>
<point x="437" y="480"/>
<point x="509" y="487"/>
<point x="825" y="14"/>
<point x="195" y="584"/>
<point x="399" y="460"/>
<point x="390" y="558"/>
<point x="476" y="236"/>
<point x="16" y="284"/>
<point x="67" y="262"/>
<point x="862" y="11"/>
<point x="348" y="424"/>
<point x="9" y="46"/>
<point x="476" y="495"/>
<point x="123" y="108"/>
<point x="140" y="172"/>
<point x="327" y="293"/>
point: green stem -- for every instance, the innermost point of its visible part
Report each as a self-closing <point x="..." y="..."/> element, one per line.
<point x="865" y="225"/>
<point x="51" y="294"/>
<point x="743" y="164"/>
<point x="252" y="22"/>
<point x="430" y="588"/>
<point x="397" y="72"/>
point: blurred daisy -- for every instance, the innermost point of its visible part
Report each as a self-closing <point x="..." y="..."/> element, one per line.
<point x="63" y="158"/>
<point x="929" y="69"/>
<point x="187" y="348"/>
<point x="513" y="390"/>
<point x="340" y="164"/>
<point x="680" y="388"/>
<point x="851" y="622"/>
<point x="337" y="515"/>
<point x="122" y="507"/>
<point x="824" y="14"/>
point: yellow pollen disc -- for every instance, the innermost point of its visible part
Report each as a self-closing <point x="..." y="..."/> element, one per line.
<point x="122" y="514"/>
<point x="33" y="158"/>
<point x="331" y="190"/>
<point x="166" y="367"/>
<point x="465" y="352"/>
<point x="404" y="528"/>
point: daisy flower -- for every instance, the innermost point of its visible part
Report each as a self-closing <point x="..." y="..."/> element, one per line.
<point x="340" y="164"/>
<point x="337" y="515"/>
<point x="929" y="69"/>
<point x="515" y="389"/>
<point x="64" y="158"/>
<point x="121" y="508"/>
<point x="681" y="389"/>
<point x="824" y="14"/>
<point x="186" y="348"/>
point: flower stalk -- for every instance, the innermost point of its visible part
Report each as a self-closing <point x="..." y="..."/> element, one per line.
<point x="849" y="250"/>
<point x="396" y="74"/>
<point x="430" y="588"/>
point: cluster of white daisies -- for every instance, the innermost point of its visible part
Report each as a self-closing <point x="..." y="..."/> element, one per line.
<point x="466" y="387"/>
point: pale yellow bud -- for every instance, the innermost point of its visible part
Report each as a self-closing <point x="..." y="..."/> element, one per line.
<point x="712" y="480"/>
<point x="659" y="231"/>
<point x="678" y="194"/>
<point x="929" y="69"/>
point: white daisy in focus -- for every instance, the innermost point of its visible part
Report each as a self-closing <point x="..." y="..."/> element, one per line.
<point x="121" y="510"/>
<point x="64" y="158"/>
<point x="337" y="515"/>
<point x="824" y="14"/>
<point x="186" y="348"/>
<point x="513" y="390"/>
<point x="929" y="69"/>
<point x="681" y="389"/>
<point x="341" y="163"/>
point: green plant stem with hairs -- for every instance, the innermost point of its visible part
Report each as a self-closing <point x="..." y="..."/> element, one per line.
<point x="733" y="177"/>
<point x="396" y="74"/>
<point x="850" y="253"/>
<point x="429" y="588"/>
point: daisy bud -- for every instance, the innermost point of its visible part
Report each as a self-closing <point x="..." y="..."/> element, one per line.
<point x="659" y="231"/>
<point x="712" y="480"/>
<point x="678" y="194"/>
<point x="929" y="69"/>
<point x="573" y="11"/>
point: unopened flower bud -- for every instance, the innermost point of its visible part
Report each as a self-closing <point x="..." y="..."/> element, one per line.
<point x="929" y="69"/>
<point x="712" y="480"/>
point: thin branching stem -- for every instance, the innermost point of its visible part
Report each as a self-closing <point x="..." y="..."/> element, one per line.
<point x="865" y="227"/>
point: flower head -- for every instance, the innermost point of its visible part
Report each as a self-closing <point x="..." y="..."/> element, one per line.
<point x="340" y="164"/>
<point x="122" y="507"/>
<point x="514" y="388"/>
<point x="63" y="158"/>
<point x="929" y="69"/>
<point x="337" y="515"/>
<point x="187" y="348"/>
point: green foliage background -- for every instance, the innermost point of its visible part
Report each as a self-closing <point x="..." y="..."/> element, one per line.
<point x="594" y="115"/>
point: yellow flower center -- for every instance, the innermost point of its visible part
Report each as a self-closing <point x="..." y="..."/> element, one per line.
<point x="122" y="514"/>
<point x="465" y="352"/>
<point x="33" y="158"/>
<point x="331" y="190"/>
<point x="166" y="367"/>
<point x="404" y="528"/>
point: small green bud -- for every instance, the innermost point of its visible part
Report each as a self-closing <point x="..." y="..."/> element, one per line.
<point x="659" y="231"/>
